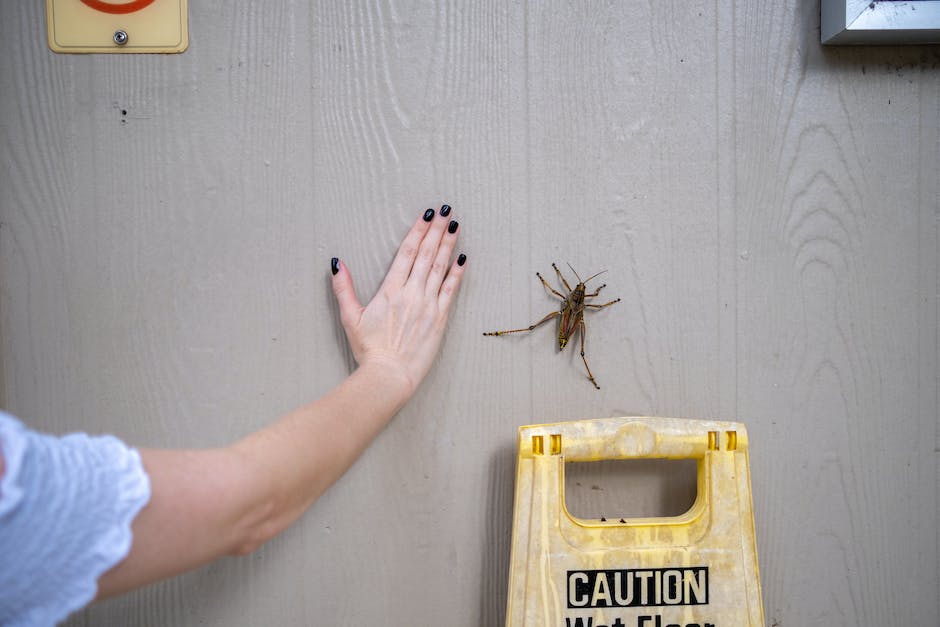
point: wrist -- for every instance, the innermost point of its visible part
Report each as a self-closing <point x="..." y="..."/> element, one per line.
<point x="388" y="378"/>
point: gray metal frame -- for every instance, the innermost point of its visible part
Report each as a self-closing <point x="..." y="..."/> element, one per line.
<point x="880" y="21"/>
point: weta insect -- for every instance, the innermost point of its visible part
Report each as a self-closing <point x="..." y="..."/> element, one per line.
<point x="571" y="312"/>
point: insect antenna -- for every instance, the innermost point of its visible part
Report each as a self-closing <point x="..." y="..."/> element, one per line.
<point x="576" y="273"/>
<point x="596" y="275"/>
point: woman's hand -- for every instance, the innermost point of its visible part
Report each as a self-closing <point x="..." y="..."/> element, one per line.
<point x="400" y="330"/>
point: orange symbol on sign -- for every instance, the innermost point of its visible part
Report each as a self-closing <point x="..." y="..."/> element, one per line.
<point x="117" y="9"/>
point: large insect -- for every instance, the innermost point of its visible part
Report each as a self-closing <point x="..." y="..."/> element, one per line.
<point x="571" y="312"/>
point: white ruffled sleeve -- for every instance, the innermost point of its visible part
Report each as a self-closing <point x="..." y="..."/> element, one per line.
<point x="66" y="508"/>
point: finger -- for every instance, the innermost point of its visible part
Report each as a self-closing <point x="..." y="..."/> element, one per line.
<point x="350" y="309"/>
<point x="442" y="260"/>
<point x="404" y="260"/>
<point x="452" y="283"/>
<point x="427" y="252"/>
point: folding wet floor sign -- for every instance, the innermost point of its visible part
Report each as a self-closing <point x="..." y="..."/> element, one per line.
<point x="697" y="569"/>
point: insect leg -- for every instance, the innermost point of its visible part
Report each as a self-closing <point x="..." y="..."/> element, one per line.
<point x="560" y="277"/>
<point x="596" y="292"/>
<point x="586" y="367"/>
<point x="528" y="328"/>
<point x="604" y="305"/>
<point x="550" y="288"/>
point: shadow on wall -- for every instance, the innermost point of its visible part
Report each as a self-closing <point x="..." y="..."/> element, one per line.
<point x="498" y="539"/>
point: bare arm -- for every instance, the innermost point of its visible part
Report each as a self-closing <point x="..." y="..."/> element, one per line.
<point x="209" y="503"/>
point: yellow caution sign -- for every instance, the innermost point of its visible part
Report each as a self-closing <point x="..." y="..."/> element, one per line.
<point x="698" y="569"/>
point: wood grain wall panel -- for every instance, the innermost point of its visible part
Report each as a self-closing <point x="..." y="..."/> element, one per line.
<point x="411" y="113"/>
<point x="922" y="507"/>
<point x="831" y="286"/>
<point x="767" y="210"/>
<point x="34" y="130"/>
<point x="624" y="174"/>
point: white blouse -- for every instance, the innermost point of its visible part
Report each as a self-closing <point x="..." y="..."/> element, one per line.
<point x="66" y="507"/>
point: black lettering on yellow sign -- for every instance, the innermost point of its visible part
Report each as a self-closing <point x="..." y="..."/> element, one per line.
<point x="638" y="587"/>
<point x="642" y="621"/>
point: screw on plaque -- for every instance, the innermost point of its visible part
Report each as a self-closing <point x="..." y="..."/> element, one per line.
<point x="120" y="37"/>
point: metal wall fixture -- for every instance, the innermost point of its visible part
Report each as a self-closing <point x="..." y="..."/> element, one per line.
<point x="880" y="21"/>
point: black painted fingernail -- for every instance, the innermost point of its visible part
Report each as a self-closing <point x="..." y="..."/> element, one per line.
<point x="461" y="259"/>
<point x="452" y="227"/>
<point x="428" y="215"/>
<point x="445" y="210"/>
<point x="334" y="265"/>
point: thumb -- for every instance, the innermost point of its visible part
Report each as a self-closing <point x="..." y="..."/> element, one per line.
<point x="350" y="309"/>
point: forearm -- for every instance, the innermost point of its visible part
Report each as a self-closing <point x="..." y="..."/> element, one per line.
<point x="298" y="457"/>
<point x="209" y="503"/>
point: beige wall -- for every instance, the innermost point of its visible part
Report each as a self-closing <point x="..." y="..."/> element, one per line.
<point x="766" y="208"/>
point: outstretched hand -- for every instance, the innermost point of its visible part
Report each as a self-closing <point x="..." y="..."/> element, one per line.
<point x="400" y="330"/>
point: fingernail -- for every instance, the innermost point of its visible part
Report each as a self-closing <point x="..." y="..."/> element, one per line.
<point x="334" y="265"/>
<point x="445" y="210"/>
<point x="452" y="227"/>
<point x="428" y="215"/>
<point x="461" y="259"/>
